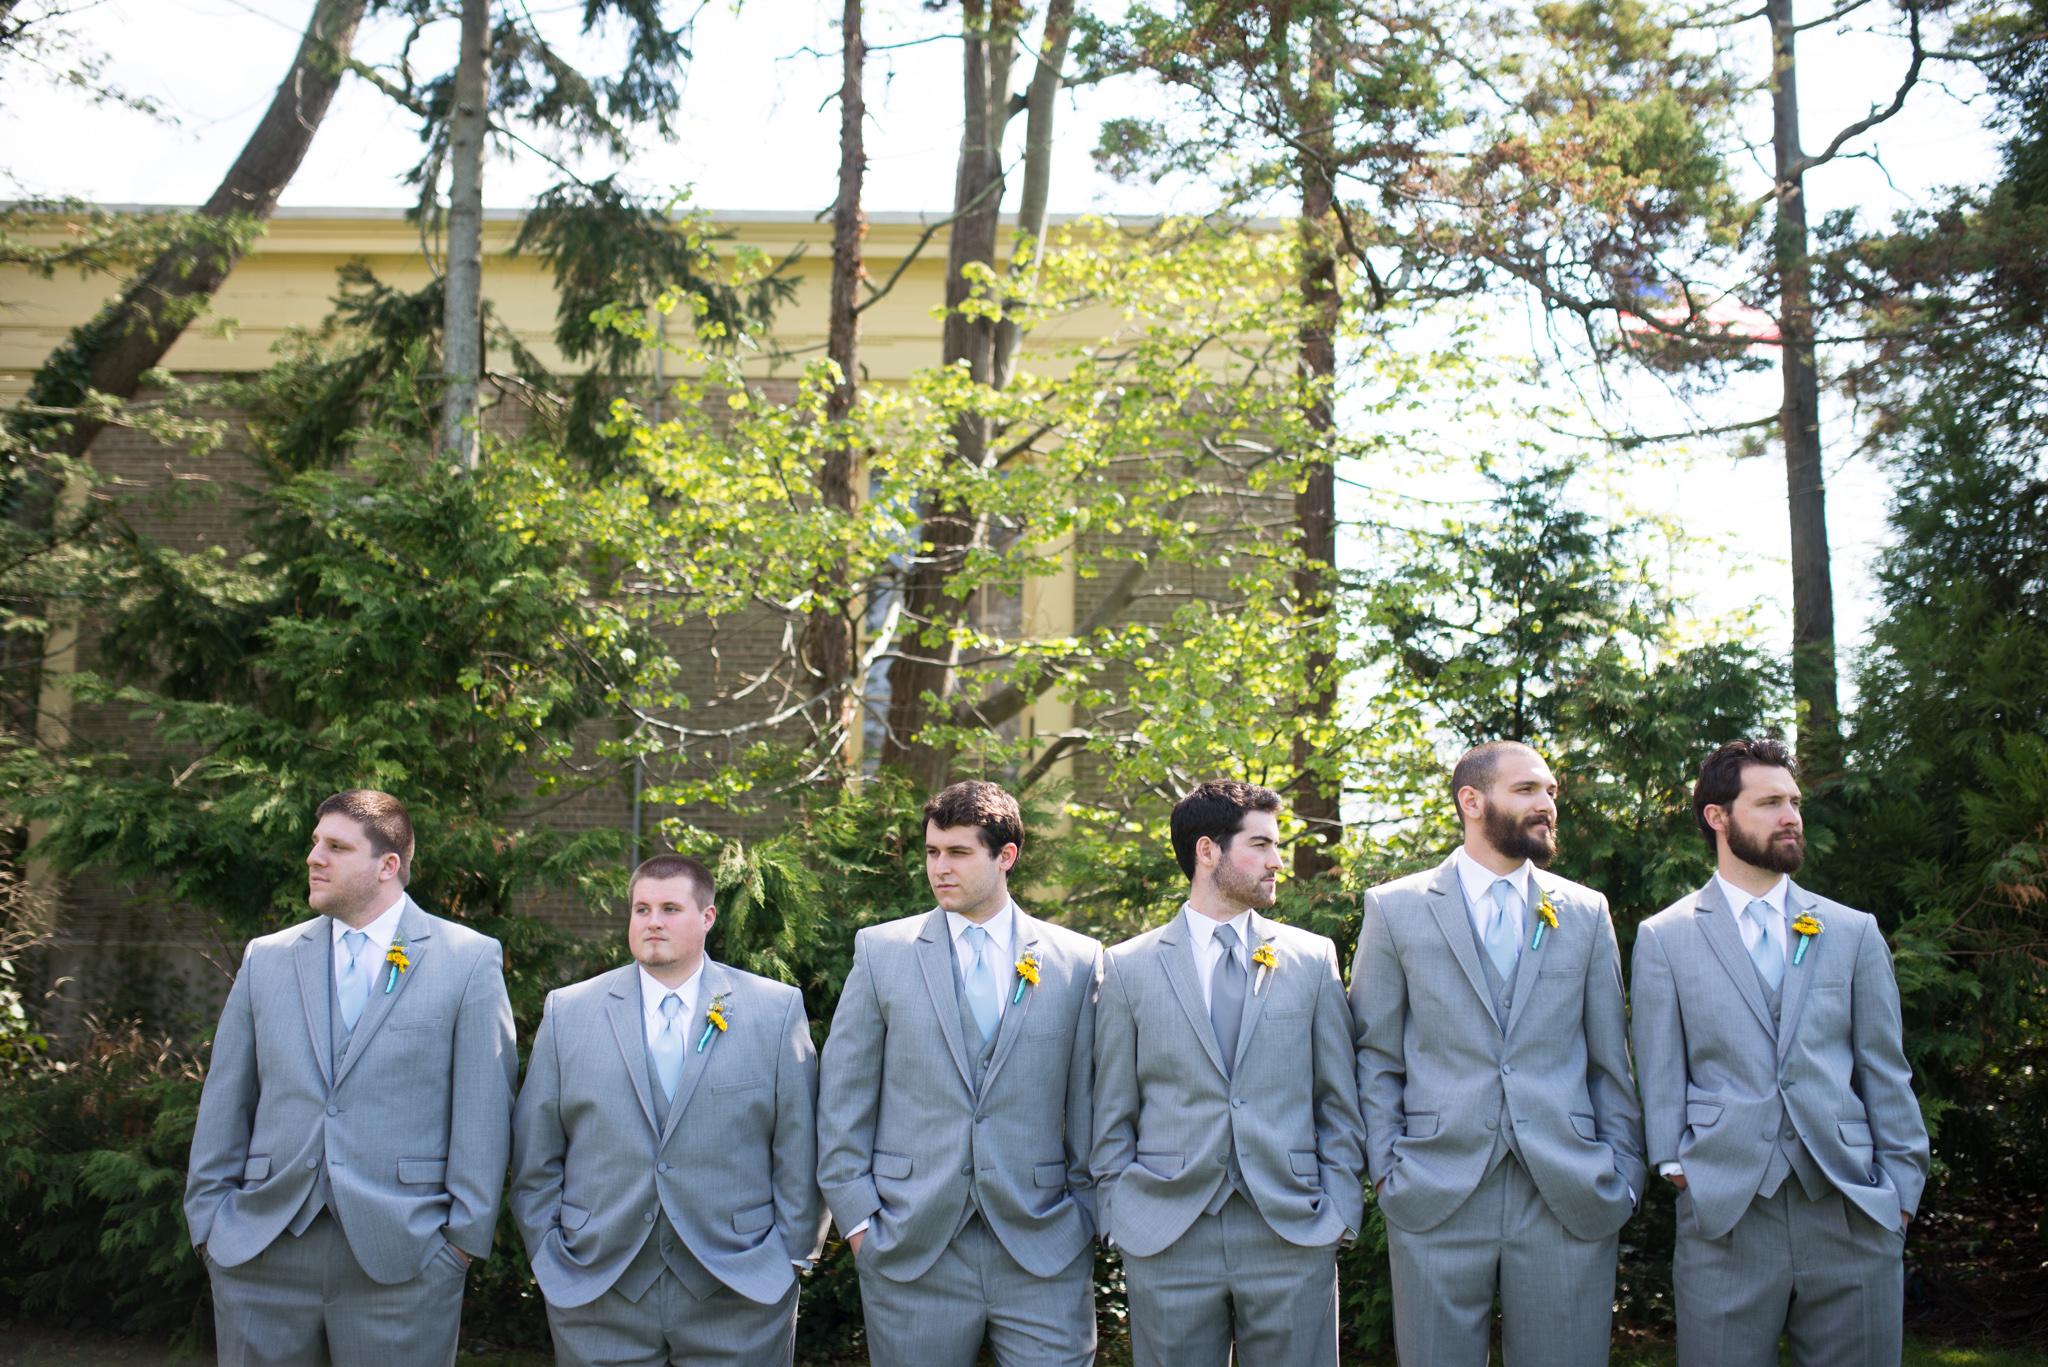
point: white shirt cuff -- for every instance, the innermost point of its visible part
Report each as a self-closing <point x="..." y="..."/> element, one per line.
<point x="860" y="1228"/>
<point x="1670" y="1170"/>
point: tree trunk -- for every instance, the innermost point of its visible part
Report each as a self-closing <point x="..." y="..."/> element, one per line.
<point x="462" y="326"/>
<point x="830" y="635"/>
<point x="1813" y="603"/>
<point x="923" y="671"/>
<point x="113" y="353"/>
<point x="1316" y="798"/>
<point x="1040" y="105"/>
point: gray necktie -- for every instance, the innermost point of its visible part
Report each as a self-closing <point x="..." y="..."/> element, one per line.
<point x="1503" y="942"/>
<point x="1768" y="958"/>
<point x="668" y="1045"/>
<point x="984" y="997"/>
<point x="1226" y="996"/>
<point x="355" y="979"/>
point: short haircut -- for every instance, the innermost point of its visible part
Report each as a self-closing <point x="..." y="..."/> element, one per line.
<point x="983" y="806"/>
<point x="1215" y="809"/>
<point x="384" y="821"/>
<point x="665" y="866"/>
<point x="1721" y="776"/>
<point x="1479" y="766"/>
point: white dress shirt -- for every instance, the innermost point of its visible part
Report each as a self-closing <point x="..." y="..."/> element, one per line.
<point x="1209" y="951"/>
<point x="381" y="931"/>
<point x="1002" y="932"/>
<point x="1478" y="881"/>
<point x="652" y="990"/>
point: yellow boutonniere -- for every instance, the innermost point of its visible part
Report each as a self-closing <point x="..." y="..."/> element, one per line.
<point x="1806" y="927"/>
<point x="1546" y="918"/>
<point x="714" y="1020"/>
<point x="395" y="956"/>
<point x="1267" y="961"/>
<point x="1027" y="972"/>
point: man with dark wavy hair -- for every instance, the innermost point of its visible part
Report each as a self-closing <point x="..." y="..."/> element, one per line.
<point x="1776" y="1092"/>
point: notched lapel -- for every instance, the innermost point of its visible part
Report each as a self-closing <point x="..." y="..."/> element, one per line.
<point x="1255" y="1002"/>
<point x="1178" y="955"/>
<point x="1530" y="972"/>
<point x="309" y="957"/>
<point x="418" y="932"/>
<point x="1447" y="904"/>
<point x="629" y="1030"/>
<point x="1798" y="977"/>
<point x="937" y="963"/>
<point x="1717" y="924"/>
<point x="716" y="982"/>
<point x="1015" y="1016"/>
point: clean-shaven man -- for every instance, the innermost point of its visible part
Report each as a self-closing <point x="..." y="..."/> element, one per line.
<point x="1227" y="1133"/>
<point x="352" y="1135"/>
<point x="1776" y="1092"/>
<point x="953" y="1116"/>
<point x="665" y="1148"/>
<point x="1502" y="1129"/>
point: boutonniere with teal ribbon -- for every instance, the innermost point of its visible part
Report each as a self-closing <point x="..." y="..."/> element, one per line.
<point x="395" y="956"/>
<point x="1546" y="919"/>
<point x="1806" y="927"/>
<point x="1027" y="972"/>
<point x="714" y="1020"/>
<point x="1267" y="961"/>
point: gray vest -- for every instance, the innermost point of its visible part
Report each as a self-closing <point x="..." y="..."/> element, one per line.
<point x="321" y="1196"/>
<point x="1503" y="990"/>
<point x="1232" y="1178"/>
<point x="664" y="1246"/>
<point x="981" y="1051"/>
<point x="1788" y="1154"/>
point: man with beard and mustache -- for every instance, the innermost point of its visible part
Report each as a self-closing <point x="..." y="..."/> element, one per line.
<point x="1502" y="1131"/>
<point x="1776" y="1092"/>
<point x="1227" y="1133"/>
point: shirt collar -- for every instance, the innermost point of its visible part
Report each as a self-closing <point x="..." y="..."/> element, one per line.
<point x="1203" y="928"/>
<point x="381" y="931"/>
<point x="1478" y="880"/>
<point x="1738" y="900"/>
<point x="1001" y="927"/>
<point x="652" y="990"/>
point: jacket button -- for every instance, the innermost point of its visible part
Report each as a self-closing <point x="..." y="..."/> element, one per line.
<point x="312" y="1162"/>
<point x="648" y="1217"/>
<point x="967" y="1171"/>
<point x="1767" y="1134"/>
<point x="1236" y="1102"/>
<point x="1506" y="1068"/>
<point x="661" y="1167"/>
<point x="1493" y="1124"/>
<point x="981" y="1120"/>
<point x="1223" y="1158"/>
<point x="334" y="1110"/>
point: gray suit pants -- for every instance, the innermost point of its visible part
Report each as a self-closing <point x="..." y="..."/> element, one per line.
<point x="1821" y="1272"/>
<point x="1231" y="1279"/>
<point x="977" y="1288"/>
<point x="1556" y="1290"/>
<point x="306" y="1302"/>
<point x="668" y="1325"/>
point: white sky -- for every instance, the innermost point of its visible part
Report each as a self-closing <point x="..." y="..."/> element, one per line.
<point x="759" y="131"/>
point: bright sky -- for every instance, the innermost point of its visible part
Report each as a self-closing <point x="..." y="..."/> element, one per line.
<point x="759" y="131"/>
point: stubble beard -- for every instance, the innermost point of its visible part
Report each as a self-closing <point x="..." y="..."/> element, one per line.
<point x="1516" y="838"/>
<point x="1238" y="890"/>
<point x="1771" y="855"/>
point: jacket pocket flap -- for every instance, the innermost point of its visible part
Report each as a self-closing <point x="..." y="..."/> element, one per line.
<point x="1293" y="1013"/>
<point x="423" y="1171"/>
<point x="1585" y="1126"/>
<point x="1304" y="1163"/>
<point x="891" y="1165"/>
<point x="573" y="1218"/>
<point x="1421" y="1124"/>
<point x="1049" y="1175"/>
<point x="1855" y="1133"/>
<point x="728" y="1088"/>
<point x="257" y="1168"/>
<point x="1162" y="1164"/>
<point x="416" y="1023"/>
<point x="759" y="1217"/>
<point x="1700" y="1114"/>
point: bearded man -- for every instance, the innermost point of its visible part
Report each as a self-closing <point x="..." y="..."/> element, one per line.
<point x="1776" y="1092"/>
<point x="1502" y="1132"/>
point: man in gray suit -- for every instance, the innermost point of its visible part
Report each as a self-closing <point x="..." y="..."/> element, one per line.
<point x="953" y="1114"/>
<point x="1501" y="1122"/>
<point x="1776" y="1092"/>
<point x="1226" y="1113"/>
<point x="665" y="1148"/>
<point x="352" y="1135"/>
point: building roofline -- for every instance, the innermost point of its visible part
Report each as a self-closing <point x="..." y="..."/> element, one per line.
<point x="795" y="217"/>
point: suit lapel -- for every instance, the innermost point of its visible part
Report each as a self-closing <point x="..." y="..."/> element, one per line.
<point x="1447" y="905"/>
<point x="629" y="1029"/>
<point x="937" y="963"/>
<point x="1797" y="977"/>
<point x="310" y="957"/>
<point x="417" y="932"/>
<point x="1177" y="952"/>
<point x="1531" y="970"/>
<point x="1014" y="1017"/>
<point x="713" y="982"/>
<point x="1717" y="923"/>
<point x="1255" y="1003"/>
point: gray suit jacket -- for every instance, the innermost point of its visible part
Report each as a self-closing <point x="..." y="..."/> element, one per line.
<point x="414" y="1126"/>
<point x="1435" y="1067"/>
<point x="1166" y="1117"/>
<point x="1717" y="1085"/>
<point x="902" y="1133"/>
<point x="732" y="1163"/>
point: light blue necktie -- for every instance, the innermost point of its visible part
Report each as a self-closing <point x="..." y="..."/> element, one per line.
<point x="668" y="1046"/>
<point x="984" y="997"/>
<point x="1768" y="958"/>
<point x="1226" y="997"/>
<point x="355" y="979"/>
<point x="1503" y="938"/>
